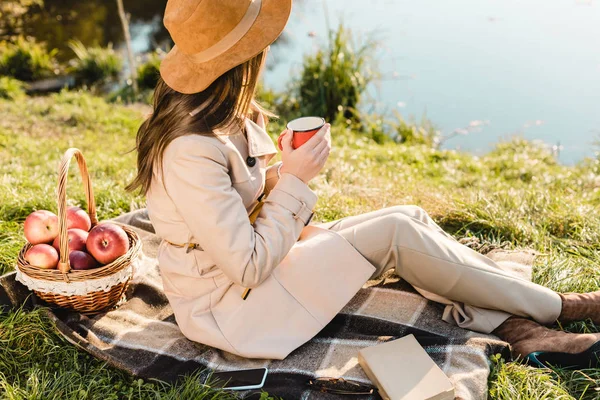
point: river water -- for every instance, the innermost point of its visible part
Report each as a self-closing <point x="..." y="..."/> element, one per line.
<point x="493" y="68"/>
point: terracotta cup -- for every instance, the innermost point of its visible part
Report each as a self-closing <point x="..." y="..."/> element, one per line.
<point x="303" y="129"/>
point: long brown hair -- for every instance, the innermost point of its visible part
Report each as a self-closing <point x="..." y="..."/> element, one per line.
<point x="226" y="102"/>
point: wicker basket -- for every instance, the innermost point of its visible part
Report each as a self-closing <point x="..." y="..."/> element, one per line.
<point x="54" y="285"/>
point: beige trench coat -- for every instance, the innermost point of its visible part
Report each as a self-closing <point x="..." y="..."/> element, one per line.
<point x="300" y="276"/>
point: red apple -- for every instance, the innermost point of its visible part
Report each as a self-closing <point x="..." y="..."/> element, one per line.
<point x="76" y="238"/>
<point x="77" y="218"/>
<point x="107" y="242"/>
<point x="42" y="256"/>
<point x="41" y="227"/>
<point x="80" y="260"/>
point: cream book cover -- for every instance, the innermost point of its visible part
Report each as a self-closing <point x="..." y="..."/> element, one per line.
<point x="402" y="370"/>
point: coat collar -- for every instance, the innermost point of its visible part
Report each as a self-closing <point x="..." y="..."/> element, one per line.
<point x="259" y="141"/>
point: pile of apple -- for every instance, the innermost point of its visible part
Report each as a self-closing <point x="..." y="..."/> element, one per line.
<point x="87" y="248"/>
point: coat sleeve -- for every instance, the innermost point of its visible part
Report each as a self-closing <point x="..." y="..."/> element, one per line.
<point x="197" y="179"/>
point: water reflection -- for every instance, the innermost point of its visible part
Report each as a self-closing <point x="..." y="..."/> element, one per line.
<point x="96" y="23"/>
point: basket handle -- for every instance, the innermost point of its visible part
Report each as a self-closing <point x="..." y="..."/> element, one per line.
<point x="63" y="172"/>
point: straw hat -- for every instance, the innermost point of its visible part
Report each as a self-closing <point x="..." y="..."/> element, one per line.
<point x="213" y="36"/>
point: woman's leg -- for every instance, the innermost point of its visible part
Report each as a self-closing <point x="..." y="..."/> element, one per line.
<point x="479" y="294"/>
<point x="455" y="311"/>
<point x="411" y="211"/>
<point x="407" y="239"/>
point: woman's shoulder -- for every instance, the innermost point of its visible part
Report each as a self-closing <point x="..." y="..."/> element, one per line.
<point x="187" y="154"/>
<point x="195" y="145"/>
<point x="195" y="139"/>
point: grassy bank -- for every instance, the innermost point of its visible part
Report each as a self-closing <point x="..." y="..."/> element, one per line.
<point x="517" y="195"/>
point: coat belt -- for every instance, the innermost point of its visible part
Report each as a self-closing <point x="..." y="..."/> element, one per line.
<point x="189" y="246"/>
<point x="252" y="217"/>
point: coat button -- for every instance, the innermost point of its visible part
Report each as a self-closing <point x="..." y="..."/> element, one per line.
<point x="251" y="161"/>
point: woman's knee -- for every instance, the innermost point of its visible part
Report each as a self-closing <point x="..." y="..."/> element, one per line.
<point x="411" y="211"/>
<point x="396" y="222"/>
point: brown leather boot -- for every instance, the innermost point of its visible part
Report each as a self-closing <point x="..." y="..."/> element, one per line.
<point x="542" y="346"/>
<point x="580" y="306"/>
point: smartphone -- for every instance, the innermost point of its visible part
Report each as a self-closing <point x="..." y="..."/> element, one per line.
<point x="244" y="379"/>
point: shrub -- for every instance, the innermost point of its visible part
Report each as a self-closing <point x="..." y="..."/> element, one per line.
<point x="27" y="60"/>
<point x="125" y="95"/>
<point x="11" y="88"/>
<point x="333" y="79"/>
<point x="94" y="65"/>
<point x="416" y="133"/>
<point x="148" y="72"/>
<point x="519" y="159"/>
<point x="382" y="129"/>
<point x="374" y="126"/>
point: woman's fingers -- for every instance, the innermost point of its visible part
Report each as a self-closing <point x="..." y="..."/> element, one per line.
<point x="286" y="141"/>
<point x="319" y="148"/>
<point x="318" y="137"/>
<point x="324" y="154"/>
<point x="306" y="161"/>
<point x="321" y="152"/>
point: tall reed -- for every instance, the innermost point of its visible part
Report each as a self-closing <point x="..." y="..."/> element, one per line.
<point x="334" y="79"/>
<point x="94" y="65"/>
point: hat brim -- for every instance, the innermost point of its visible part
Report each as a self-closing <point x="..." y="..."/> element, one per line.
<point x="185" y="76"/>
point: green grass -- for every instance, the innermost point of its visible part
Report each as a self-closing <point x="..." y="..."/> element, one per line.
<point x="516" y="194"/>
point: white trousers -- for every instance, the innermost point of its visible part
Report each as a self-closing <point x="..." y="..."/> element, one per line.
<point x="479" y="295"/>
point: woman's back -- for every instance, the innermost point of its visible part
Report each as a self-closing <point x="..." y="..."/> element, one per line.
<point x="204" y="193"/>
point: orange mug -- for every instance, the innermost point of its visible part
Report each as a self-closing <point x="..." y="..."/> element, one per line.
<point x="303" y="129"/>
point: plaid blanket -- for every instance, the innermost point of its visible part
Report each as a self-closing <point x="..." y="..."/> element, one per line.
<point x="142" y="337"/>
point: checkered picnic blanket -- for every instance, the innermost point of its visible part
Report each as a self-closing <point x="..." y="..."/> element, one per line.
<point x="142" y="337"/>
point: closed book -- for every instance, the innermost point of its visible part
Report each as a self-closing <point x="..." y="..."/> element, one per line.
<point x="402" y="370"/>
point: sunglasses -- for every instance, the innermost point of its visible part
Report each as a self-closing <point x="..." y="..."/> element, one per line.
<point x="340" y="386"/>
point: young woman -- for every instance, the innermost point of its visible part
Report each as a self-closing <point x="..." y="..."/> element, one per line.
<point x="242" y="268"/>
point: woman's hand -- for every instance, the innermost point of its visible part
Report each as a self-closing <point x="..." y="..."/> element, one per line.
<point x="306" y="161"/>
